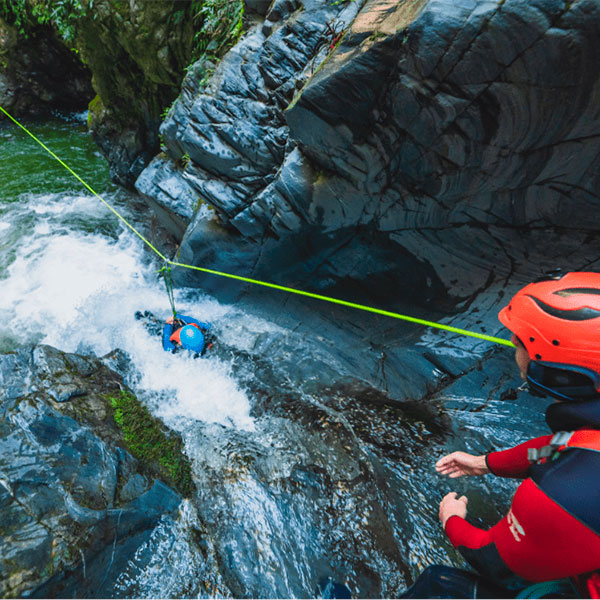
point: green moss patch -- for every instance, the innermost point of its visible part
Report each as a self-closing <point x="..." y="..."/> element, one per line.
<point x="147" y="440"/>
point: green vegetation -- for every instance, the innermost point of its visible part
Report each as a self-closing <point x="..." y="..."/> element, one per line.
<point x="219" y="25"/>
<point x="147" y="440"/>
<point x="15" y="12"/>
<point x="376" y="35"/>
<point x="95" y="107"/>
<point x="184" y="160"/>
<point x="166" y="111"/>
<point x="61" y="14"/>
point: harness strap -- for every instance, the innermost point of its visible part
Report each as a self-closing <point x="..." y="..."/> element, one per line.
<point x="176" y="335"/>
<point x="559" y="439"/>
<point x="586" y="439"/>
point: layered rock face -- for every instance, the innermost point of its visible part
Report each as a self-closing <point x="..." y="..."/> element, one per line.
<point x="430" y="129"/>
<point x="40" y="74"/>
<point x="459" y="126"/>
<point x="70" y="497"/>
<point x="233" y="130"/>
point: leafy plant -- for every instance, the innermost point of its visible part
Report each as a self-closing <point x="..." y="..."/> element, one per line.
<point x="184" y="160"/>
<point x="166" y="111"/>
<point x="15" y="12"/>
<point x="220" y="26"/>
<point x="61" y="14"/>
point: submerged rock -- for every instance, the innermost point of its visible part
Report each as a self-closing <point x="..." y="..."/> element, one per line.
<point x="74" y="504"/>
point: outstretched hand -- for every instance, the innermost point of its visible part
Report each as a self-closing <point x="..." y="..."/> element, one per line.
<point x="458" y="464"/>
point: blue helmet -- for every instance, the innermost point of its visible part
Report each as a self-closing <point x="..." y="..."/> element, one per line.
<point x="191" y="338"/>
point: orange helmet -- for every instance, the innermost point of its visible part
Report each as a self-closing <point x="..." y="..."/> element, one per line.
<point x="557" y="319"/>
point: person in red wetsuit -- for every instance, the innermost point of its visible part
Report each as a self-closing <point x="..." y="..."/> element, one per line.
<point x="552" y="530"/>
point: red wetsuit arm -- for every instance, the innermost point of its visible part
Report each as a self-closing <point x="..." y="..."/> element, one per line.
<point x="537" y="541"/>
<point x="514" y="462"/>
<point x="461" y="533"/>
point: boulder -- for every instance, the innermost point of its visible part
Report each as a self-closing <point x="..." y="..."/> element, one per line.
<point x="71" y="497"/>
<point x="422" y="157"/>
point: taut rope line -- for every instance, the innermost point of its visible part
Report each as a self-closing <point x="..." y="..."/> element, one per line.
<point x="274" y="286"/>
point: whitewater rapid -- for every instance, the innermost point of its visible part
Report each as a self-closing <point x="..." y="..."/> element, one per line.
<point x="75" y="279"/>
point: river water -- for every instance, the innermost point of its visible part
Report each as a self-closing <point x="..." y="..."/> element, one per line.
<point x="298" y="489"/>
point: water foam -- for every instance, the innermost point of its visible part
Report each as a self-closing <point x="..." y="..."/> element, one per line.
<point x="79" y="291"/>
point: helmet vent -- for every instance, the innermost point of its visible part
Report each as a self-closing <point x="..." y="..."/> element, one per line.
<point x="538" y="357"/>
<point x="575" y="291"/>
<point x="580" y="314"/>
<point x="532" y="339"/>
<point x="555" y="342"/>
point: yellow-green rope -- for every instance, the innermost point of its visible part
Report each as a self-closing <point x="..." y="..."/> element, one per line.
<point x="274" y="286"/>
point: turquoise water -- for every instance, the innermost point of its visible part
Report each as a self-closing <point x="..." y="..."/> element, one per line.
<point x="25" y="167"/>
<point x="28" y="172"/>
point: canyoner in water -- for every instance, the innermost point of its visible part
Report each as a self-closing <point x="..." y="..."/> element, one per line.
<point x="548" y="545"/>
<point x="187" y="333"/>
<point x="180" y="333"/>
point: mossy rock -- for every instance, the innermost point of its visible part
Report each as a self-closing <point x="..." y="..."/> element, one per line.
<point x="147" y="439"/>
<point x="96" y="111"/>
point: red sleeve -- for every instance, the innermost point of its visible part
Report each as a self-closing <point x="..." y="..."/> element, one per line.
<point x="513" y="462"/>
<point x="537" y="541"/>
<point x="462" y="533"/>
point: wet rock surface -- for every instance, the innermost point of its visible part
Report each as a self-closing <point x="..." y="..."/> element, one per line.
<point x="162" y="185"/>
<point x="337" y="483"/>
<point x="233" y="130"/>
<point x="413" y="172"/>
<point x="430" y="160"/>
<point x="73" y="503"/>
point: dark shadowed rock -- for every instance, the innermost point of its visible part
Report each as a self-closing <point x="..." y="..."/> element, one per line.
<point x="39" y="74"/>
<point x="430" y="160"/>
<point x="258" y="6"/>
